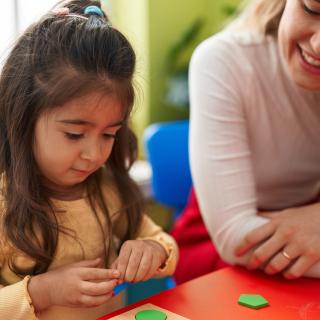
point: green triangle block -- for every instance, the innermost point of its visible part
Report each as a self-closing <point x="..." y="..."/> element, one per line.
<point x="150" y="315"/>
<point x="254" y="301"/>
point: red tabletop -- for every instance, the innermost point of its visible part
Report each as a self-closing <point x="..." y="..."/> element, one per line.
<point x="215" y="296"/>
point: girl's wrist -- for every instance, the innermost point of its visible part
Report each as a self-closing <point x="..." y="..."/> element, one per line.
<point x="39" y="292"/>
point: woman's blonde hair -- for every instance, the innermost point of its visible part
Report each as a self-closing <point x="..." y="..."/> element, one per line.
<point x="262" y="16"/>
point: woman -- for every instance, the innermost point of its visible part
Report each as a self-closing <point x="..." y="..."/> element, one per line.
<point x="254" y="137"/>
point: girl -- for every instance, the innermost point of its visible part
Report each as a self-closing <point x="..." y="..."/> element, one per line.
<point x="71" y="221"/>
<point x="254" y="137"/>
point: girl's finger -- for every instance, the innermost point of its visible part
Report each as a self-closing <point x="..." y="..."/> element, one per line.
<point x="98" y="288"/>
<point x="133" y="265"/>
<point x="254" y="237"/>
<point x="114" y="264"/>
<point x="153" y="268"/>
<point x="123" y="261"/>
<point x="144" y="267"/>
<point x="93" y="301"/>
<point x="99" y="274"/>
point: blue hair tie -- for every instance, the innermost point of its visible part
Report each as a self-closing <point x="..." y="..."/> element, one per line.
<point x="94" y="10"/>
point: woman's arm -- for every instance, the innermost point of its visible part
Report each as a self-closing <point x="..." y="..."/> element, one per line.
<point x="221" y="164"/>
<point x="220" y="154"/>
<point x="288" y="243"/>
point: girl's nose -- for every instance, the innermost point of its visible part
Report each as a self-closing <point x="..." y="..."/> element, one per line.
<point x="92" y="152"/>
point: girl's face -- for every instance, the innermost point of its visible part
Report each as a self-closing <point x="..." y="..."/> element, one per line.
<point x="299" y="41"/>
<point x="75" y="139"/>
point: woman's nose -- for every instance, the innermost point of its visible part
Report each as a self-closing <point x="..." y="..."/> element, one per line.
<point x="315" y="44"/>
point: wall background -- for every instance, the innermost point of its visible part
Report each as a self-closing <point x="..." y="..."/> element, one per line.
<point x="154" y="27"/>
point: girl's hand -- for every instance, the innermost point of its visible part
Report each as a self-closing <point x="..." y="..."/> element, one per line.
<point x="81" y="284"/>
<point x="289" y="243"/>
<point x="139" y="260"/>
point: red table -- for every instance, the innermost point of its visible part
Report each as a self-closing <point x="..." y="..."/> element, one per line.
<point x="214" y="296"/>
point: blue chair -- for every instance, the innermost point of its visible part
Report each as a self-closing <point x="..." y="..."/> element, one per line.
<point x="166" y="146"/>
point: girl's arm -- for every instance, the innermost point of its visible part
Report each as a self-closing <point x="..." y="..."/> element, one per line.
<point x="83" y="284"/>
<point x="148" y="231"/>
<point x="15" y="301"/>
<point x="151" y="231"/>
<point x="152" y="253"/>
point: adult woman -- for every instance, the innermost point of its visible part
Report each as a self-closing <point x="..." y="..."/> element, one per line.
<point x="254" y="137"/>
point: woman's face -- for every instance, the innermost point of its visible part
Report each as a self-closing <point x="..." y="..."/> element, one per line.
<point x="299" y="41"/>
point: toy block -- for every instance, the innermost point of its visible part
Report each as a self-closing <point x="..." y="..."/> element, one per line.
<point x="254" y="301"/>
<point x="150" y="315"/>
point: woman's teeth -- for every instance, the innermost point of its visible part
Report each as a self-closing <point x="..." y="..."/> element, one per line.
<point x="310" y="60"/>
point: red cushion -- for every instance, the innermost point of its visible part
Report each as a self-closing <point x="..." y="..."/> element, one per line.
<point x="198" y="255"/>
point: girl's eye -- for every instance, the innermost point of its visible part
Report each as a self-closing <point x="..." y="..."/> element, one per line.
<point x="109" y="136"/>
<point x="309" y="11"/>
<point x="73" y="136"/>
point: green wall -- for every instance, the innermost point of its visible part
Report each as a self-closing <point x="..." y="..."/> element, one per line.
<point x="153" y="27"/>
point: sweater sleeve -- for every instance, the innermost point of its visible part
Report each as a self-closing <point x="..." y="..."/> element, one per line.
<point x="220" y="155"/>
<point x="151" y="231"/>
<point x="15" y="302"/>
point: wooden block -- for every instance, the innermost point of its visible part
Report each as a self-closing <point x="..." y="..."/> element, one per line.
<point x="130" y="315"/>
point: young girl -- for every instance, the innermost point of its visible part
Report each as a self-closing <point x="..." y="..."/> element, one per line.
<point x="71" y="220"/>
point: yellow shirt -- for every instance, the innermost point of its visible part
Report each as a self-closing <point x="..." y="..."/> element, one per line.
<point x="15" y="302"/>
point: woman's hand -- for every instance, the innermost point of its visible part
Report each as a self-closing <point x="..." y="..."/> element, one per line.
<point x="139" y="260"/>
<point x="288" y="243"/>
<point x="81" y="284"/>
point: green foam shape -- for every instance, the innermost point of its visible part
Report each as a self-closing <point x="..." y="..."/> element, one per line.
<point x="150" y="315"/>
<point x="254" y="301"/>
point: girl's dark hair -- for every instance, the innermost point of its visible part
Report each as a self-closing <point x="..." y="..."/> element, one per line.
<point x="56" y="59"/>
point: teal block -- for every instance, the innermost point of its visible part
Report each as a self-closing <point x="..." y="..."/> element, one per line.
<point x="142" y="290"/>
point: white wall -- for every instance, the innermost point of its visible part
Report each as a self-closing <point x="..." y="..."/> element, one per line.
<point x="16" y="16"/>
<point x="31" y="10"/>
<point x="7" y="27"/>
